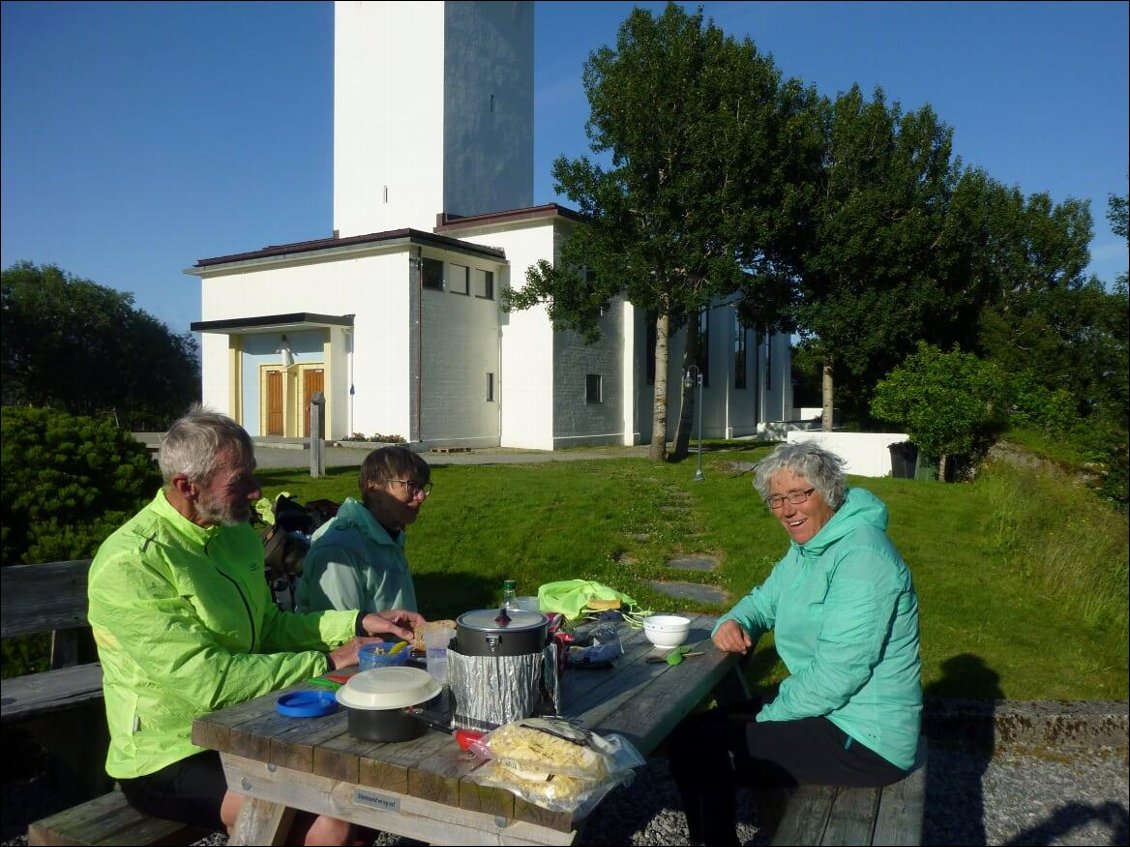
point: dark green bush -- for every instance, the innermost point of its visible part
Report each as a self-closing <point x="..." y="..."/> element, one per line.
<point x="68" y="481"/>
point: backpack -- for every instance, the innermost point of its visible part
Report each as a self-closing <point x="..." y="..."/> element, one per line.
<point x="286" y="540"/>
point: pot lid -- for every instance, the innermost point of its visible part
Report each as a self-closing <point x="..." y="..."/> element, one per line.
<point x="388" y="688"/>
<point x="491" y="620"/>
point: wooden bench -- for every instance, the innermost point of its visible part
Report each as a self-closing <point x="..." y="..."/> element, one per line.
<point x="828" y="815"/>
<point x="63" y="709"/>
<point x="60" y="707"/>
<point x="109" y="819"/>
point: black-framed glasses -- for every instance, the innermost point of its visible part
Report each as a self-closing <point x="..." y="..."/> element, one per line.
<point x="776" y="501"/>
<point x="415" y="489"/>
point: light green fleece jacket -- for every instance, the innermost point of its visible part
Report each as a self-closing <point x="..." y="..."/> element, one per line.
<point x="845" y="619"/>
<point x="353" y="563"/>
<point x="185" y="625"/>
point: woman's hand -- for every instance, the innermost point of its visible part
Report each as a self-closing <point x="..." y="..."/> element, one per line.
<point x="398" y="622"/>
<point x="733" y="638"/>
<point x="346" y="655"/>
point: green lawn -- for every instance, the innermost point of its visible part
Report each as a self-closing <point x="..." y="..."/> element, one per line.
<point x="1022" y="596"/>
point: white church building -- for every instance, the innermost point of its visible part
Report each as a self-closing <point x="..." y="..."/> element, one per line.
<point x="396" y="318"/>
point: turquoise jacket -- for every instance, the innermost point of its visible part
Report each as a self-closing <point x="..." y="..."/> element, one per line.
<point x="353" y="563"/>
<point x="185" y="625"/>
<point x="845" y="620"/>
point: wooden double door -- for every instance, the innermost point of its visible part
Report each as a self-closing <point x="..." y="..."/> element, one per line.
<point x="288" y="391"/>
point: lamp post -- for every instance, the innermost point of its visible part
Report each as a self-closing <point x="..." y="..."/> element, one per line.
<point x="692" y="378"/>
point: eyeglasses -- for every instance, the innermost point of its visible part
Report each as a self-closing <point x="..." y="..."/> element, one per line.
<point x="776" y="501"/>
<point x="414" y="489"/>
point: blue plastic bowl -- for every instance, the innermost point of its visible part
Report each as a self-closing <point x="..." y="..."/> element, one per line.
<point x="370" y="658"/>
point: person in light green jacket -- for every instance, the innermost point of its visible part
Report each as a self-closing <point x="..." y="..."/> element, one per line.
<point x="185" y="624"/>
<point x="356" y="560"/>
<point x="844" y="614"/>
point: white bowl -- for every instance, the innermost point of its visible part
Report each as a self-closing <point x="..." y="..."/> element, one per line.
<point x="666" y="631"/>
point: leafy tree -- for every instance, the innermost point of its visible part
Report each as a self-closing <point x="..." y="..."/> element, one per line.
<point x="949" y="403"/>
<point x="869" y="275"/>
<point x="71" y="344"/>
<point x="68" y="482"/>
<point x="707" y="150"/>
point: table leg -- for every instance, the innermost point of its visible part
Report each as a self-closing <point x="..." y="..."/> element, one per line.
<point x="262" y="822"/>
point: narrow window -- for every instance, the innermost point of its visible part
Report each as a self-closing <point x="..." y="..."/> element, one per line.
<point x="433" y="274"/>
<point x="484" y="284"/>
<point x="768" y="362"/>
<point x="490" y="387"/>
<point x="704" y="346"/>
<point x="739" y="352"/>
<point x="593" y="388"/>
<point x="649" y="346"/>
<point x="458" y="279"/>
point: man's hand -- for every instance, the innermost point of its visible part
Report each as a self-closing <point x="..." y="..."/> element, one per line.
<point x="733" y="638"/>
<point x="346" y="655"/>
<point x="398" y="622"/>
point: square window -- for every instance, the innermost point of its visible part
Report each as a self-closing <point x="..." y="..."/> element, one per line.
<point x="432" y="271"/>
<point x="460" y="284"/>
<point x="593" y="388"/>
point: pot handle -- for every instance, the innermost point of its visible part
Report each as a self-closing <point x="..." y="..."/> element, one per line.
<point x="430" y="718"/>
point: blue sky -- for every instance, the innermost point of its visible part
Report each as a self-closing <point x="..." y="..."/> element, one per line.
<point x="139" y="137"/>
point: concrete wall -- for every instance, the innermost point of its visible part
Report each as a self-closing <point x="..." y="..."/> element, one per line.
<point x="488" y="123"/>
<point x="459" y="336"/>
<point x="526" y="357"/>
<point x="433" y="112"/>
<point x="576" y="420"/>
<point x="866" y="453"/>
<point x="388" y="116"/>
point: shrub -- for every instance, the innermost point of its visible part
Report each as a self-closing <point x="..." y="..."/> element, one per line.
<point x="375" y="437"/>
<point x="950" y="403"/>
<point x="68" y="482"/>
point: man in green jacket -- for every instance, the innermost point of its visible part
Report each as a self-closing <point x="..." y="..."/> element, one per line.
<point x="185" y="625"/>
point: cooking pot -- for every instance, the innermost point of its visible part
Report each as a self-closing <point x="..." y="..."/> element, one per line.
<point x="501" y="632"/>
<point x="377" y="702"/>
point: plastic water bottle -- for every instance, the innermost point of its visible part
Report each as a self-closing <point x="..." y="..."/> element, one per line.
<point x="509" y="594"/>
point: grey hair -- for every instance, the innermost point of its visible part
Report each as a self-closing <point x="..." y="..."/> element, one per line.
<point x="822" y="468"/>
<point x="196" y="443"/>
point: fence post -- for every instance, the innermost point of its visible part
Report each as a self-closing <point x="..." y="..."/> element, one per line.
<point x="317" y="441"/>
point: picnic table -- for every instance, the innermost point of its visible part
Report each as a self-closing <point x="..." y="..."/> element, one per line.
<point x="426" y="788"/>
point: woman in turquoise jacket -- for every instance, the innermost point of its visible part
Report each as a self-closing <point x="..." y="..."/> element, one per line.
<point x="356" y="560"/>
<point x="844" y="613"/>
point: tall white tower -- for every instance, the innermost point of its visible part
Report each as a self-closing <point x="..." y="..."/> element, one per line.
<point x="433" y="111"/>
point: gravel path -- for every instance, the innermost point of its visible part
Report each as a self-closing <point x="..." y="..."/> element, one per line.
<point x="1076" y="797"/>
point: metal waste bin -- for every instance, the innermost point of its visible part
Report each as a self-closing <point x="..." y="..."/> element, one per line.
<point x="904" y="455"/>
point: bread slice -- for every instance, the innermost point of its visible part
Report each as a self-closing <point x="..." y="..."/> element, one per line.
<point x="419" y="642"/>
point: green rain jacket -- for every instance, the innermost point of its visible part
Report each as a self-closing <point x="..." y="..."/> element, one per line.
<point x="185" y="625"/>
<point x="353" y="563"/>
<point x="845" y="620"/>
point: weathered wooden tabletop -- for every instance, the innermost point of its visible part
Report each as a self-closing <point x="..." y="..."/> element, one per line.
<point x="426" y="788"/>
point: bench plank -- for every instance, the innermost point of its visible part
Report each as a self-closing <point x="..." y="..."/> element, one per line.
<point x="36" y="694"/>
<point x="41" y="598"/>
<point x="806" y="815"/>
<point x="109" y="819"/>
<point x="901" y="808"/>
<point x="833" y="816"/>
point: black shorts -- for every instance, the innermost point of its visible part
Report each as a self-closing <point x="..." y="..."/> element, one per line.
<point x="190" y="791"/>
